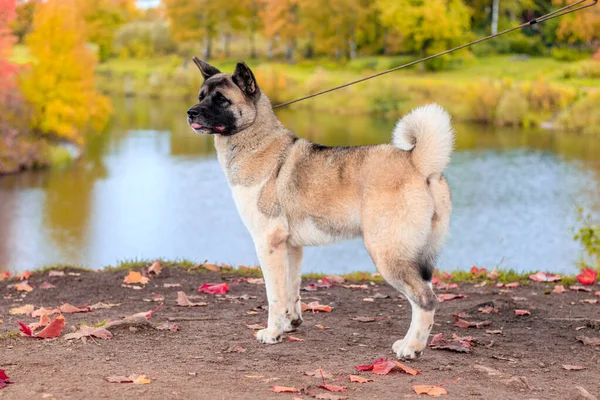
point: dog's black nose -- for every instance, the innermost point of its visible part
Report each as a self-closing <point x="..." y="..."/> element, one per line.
<point x="192" y="113"/>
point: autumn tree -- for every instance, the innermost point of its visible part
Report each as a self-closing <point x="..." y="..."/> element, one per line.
<point x="579" y="27"/>
<point x="281" y="19"/>
<point x="427" y="26"/>
<point x="103" y="18"/>
<point x="60" y="84"/>
<point x="250" y="20"/>
<point x="194" y="21"/>
<point x="7" y="69"/>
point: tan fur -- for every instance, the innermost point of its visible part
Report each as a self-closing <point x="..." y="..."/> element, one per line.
<point x="292" y="193"/>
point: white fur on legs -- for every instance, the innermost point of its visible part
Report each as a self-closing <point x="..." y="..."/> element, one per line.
<point x="272" y="254"/>
<point x="294" y="306"/>
<point x="415" y="340"/>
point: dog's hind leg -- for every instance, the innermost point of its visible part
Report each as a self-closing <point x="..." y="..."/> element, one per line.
<point x="294" y="306"/>
<point x="272" y="251"/>
<point x="396" y="238"/>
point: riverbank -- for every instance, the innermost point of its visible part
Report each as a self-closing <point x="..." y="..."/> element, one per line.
<point x="209" y="347"/>
<point x="501" y="90"/>
<point x="20" y="154"/>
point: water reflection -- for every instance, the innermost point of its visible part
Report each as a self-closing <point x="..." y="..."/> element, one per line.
<point x="148" y="187"/>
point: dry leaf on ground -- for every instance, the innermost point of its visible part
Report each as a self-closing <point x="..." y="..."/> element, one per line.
<point x="168" y="326"/>
<point x="545" y="277"/>
<point x="47" y="285"/>
<point x="295" y="339"/>
<point x="23" y="287"/>
<point x="155" y="268"/>
<point x="24" y="276"/>
<point x="383" y="366"/>
<point x="559" y="289"/>
<point x="433" y="391"/>
<point x="359" y="379"/>
<point x="88" y="331"/>
<point x="256" y="281"/>
<point x="522" y="312"/>
<point x="70" y="309"/>
<point x="363" y="319"/>
<point x="589" y="341"/>
<point x="462" y="323"/>
<point x="450" y="296"/>
<point x="573" y="367"/>
<point x="183" y="301"/>
<point x="462" y="345"/>
<point x="102" y="306"/>
<point x="136" y="277"/>
<point x="56" y="273"/>
<point x="23" y="310"/>
<point x="333" y="388"/>
<point x="284" y="389"/>
<point x="135" y="379"/>
<point x="587" y="277"/>
<point x="315" y="307"/>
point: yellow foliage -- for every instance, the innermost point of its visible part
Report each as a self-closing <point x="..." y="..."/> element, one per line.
<point x="60" y="84"/>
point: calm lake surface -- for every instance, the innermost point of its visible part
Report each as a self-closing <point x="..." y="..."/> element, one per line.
<point x="150" y="188"/>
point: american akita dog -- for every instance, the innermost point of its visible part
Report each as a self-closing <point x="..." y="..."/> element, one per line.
<point x="292" y="193"/>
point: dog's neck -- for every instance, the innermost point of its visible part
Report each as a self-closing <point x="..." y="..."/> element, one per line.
<point x="265" y="128"/>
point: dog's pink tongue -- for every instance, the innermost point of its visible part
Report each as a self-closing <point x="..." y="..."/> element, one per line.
<point x="219" y="128"/>
<point x="196" y="126"/>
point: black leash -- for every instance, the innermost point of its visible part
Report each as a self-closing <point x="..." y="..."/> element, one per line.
<point x="554" y="14"/>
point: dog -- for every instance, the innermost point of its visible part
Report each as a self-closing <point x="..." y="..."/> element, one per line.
<point x="292" y="193"/>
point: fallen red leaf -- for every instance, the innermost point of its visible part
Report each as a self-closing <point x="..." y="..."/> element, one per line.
<point x="336" y="279"/>
<point x="43" y="311"/>
<point x="284" y="389"/>
<point x="23" y="287"/>
<point x="488" y="310"/>
<point x="459" y="344"/>
<point x="512" y="285"/>
<point x="433" y="391"/>
<point x="450" y="296"/>
<point x="333" y="388"/>
<point x="295" y="339"/>
<point x="23" y="310"/>
<point x="359" y="379"/>
<point x="24" y="276"/>
<point x="51" y="331"/>
<point x="136" y="277"/>
<point x="4" y="379"/>
<point x="44" y="321"/>
<point x="214" y="288"/>
<point x="587" y="277"/>
<point x="315" y="307"/>
<point x="545" y="277"/>
<point x="522" y="312"/>
<point x="183" y="301"/>
<point x="477" y="272"/>
<point x="70" y="309"/>
<point x="383" y="366"/>
<point x="311" y="287"/>
<point x="436" y="281"/>
<point x="322" y="327"/>
<point x="446" y="276"/>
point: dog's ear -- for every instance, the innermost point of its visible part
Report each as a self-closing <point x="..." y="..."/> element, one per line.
<point x="205" y="68"/>
<point x="244" y="78"/>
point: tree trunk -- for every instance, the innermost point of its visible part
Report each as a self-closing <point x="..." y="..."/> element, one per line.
<point x="289" y="51"/>
<point x="352" y="46"/>
<point x="270" y="49"/>
<point x="207" y="47"/>
<point x="386" y="47"/>
<point x="227" y="44"/>
<point x="252" y="44"/>
<point x="495" y="11"/>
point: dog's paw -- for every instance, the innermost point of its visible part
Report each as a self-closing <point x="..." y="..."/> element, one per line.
<point x="405" y="350"/>
<point x="292" y="323"/>
<point x="268" y="337"/>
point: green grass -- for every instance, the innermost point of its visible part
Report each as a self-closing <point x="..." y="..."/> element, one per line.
<point x="506" y="276"/>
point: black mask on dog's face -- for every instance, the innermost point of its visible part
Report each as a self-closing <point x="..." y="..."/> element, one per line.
<point x="227" y="104"/>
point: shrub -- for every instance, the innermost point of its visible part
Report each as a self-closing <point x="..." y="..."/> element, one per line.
<point x="522" y="44"/>
<point x="569" y="54"/>
<point x="583" y="117"/>
<point x="584" y="69"/>
<point x="588" y="235"/>
<point x="512" y="108"/>
<point x="481" y="100"/>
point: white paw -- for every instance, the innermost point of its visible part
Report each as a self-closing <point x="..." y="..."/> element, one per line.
<point x="405" y="350"/>
<point x="268" y="337"/>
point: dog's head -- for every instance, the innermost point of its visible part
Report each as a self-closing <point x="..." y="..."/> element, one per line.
<point x="227" y="104"/>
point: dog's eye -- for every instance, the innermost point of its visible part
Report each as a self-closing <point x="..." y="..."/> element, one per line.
<point x="222" y="100"/>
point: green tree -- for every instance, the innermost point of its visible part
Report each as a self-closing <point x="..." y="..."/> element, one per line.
<point x="60" y="84"/>
<point x="427" y="27"/>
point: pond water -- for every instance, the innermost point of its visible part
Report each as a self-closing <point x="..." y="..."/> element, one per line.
<point x="149" y="188"/>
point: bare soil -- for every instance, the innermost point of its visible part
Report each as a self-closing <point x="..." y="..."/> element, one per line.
<point x="201" y="360"/>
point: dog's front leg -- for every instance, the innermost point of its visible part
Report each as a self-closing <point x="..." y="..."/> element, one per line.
<point x="294" y="306"/>
<point x="272" y="251"/>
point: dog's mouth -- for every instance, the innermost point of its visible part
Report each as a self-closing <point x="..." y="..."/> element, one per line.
<point x="207" y="129"/>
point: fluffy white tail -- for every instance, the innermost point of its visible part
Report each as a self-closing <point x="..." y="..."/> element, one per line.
<point x="428" y="134"/>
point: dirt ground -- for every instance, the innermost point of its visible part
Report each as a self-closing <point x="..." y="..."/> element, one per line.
<point x="201" y="360"/>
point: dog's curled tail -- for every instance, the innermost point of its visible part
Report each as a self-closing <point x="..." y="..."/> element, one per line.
<point x="428" y="134"/>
